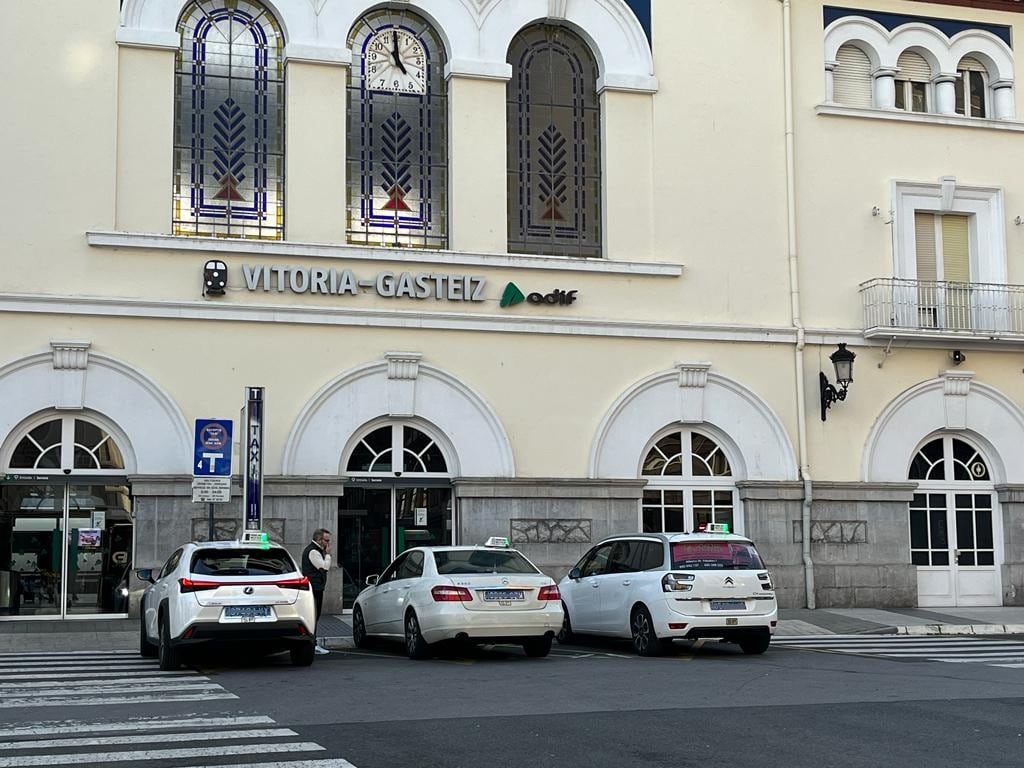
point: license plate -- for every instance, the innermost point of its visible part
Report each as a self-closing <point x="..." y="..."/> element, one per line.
<point x="728" y="605"/>
<point x="247" y="612"/>
<point x="504" y="595"/>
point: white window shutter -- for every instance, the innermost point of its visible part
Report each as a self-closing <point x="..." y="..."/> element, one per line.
<point x="852" y="77"/>
<point x="913" y="67"/>
<point x="955" y="250"/>
<point x="924" y="234"/>
<point x="971" y="64"/>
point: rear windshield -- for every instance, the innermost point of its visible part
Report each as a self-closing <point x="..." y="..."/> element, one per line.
<point x="242" y="562"/>
<point x="715" y="556"/>
<point x="481" y="561"/>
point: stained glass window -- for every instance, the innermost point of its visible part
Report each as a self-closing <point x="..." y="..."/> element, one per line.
<point x="229" y="122"/>
<point x="375" y="451"/>
<point x="397" y="133"/>
<point x="554" y="130"/>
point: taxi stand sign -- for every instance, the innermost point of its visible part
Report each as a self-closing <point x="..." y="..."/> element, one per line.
<point x="211" y="462"/>
<point x="252" y="444"/>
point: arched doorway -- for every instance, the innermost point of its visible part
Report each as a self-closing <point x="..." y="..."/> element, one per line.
<point x="690" y="483"/>
<point x="66" y="526"/>
<point x="955" y="528"/>
<point x="398" y="494"/>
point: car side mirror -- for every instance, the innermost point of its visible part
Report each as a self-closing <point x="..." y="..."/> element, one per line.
<point x="372" y="580"/>
<point x="146" y="574"/>
<point x="575" y="574"/>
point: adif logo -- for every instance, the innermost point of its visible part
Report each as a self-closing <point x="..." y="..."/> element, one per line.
<point x="512" y="296"/>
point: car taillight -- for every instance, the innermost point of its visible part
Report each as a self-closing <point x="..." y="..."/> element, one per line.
<point x="677" y="582"/>
<point x="451" y="594"/>
<point x="300" y="583"/>
<point x="193" y="585"/>
<point x="549" y="592"/>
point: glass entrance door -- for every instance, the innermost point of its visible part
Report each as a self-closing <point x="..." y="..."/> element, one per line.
<point x="65" y="548"/>
<point x="376" y="523"/>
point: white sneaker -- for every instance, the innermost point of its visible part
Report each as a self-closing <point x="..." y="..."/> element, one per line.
<point x="321" y="650"/>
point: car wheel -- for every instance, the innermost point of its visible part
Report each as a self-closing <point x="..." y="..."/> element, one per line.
<point x="169" y="657"/>
<point x="565" y="634"/>
<point x="537" y="647"/>
<point x="359" y="638"/>
<point x="146" y="649"/>
<point x="755" y="642"/>
<point x="645" y="639"/>
<point x="415" y="645"/>
<point x="303" y="654"/>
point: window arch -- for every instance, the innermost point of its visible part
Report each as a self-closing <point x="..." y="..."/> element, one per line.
<point x="397" y="448"/>
<point x="229" y="122"/>
<point x="690" y="483"/>
<point x="554" y="168"/>
<point x="397" y="133"/>
<point x="67" y="443"/>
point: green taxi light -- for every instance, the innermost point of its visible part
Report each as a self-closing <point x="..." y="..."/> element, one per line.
<point x="497" y="541"/>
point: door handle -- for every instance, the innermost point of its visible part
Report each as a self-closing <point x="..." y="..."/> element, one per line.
<point x="626" y="582"/>
<point x="594" y="584"/>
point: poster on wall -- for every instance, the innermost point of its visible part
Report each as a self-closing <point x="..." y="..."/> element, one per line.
<point x="99" y="518"/>
<point x="89" y="537"/>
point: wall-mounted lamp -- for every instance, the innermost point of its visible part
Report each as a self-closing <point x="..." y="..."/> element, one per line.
<point x="842" y="359"/>
<point x="1018" y="221"/>
<point x="215" y="278"/>
<point x="958" y="356"/>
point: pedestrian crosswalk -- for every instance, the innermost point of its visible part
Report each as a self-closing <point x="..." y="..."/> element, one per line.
<point x="198" y="741"/>
<point x="990" y="651"/>
<point x="96" y="678"/>
<point x="68" y="680"/>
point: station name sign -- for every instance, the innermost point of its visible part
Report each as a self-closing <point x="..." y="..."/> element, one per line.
<point x="340" y="282"/>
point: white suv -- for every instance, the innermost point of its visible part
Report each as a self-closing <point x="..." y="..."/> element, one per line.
<point x="657" y="587"/>
<point x="238" y="591"/>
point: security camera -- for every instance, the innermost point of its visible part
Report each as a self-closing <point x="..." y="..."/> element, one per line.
<point x="958" y="356"/>
<point x="397" y="473"/>
<point x="67" y="471"/>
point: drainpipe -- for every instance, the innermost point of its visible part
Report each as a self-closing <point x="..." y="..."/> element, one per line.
<point x="794" y="301"/>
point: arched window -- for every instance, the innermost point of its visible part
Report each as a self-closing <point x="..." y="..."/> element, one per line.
<point x="971" y="88"/>
<point x="690" y="483"/>
<point x="376" y="452"/>
<point x="852" y="77"/>
<point x="554" y="141"/>
<point x="67" y="443"/>
<point x="397" y="133"/>
<point x="229" y="122"/>
<point x="913" y="83"/>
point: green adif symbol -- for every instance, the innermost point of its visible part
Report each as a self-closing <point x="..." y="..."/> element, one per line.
<point x="512" y="296"/>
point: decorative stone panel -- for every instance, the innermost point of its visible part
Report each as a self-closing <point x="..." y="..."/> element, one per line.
<point x="558" y="531"/>
<point x="833" y="532"/>
<point x="229" y="528"/>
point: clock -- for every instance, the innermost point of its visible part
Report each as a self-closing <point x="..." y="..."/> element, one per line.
<point x="396" y="62"/>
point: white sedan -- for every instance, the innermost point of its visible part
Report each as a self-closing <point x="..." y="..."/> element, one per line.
<point x="489" y="594"/>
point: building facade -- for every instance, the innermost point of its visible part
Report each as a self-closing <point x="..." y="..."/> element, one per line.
<point x="549" y="269"/>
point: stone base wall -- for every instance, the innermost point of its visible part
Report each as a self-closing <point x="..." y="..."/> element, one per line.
<point x="1011" y="502"/>
<point x="860" y="542"/>
<point x="293" y="507"/>
<point x="552" y="521"/>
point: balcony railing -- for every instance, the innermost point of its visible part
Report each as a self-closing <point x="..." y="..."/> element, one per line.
<point x="898" y="307"/>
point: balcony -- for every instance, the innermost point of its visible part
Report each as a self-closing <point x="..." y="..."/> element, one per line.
<point x="894" y="307"/>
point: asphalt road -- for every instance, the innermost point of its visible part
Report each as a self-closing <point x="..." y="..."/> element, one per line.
<point x="595" y="705"/>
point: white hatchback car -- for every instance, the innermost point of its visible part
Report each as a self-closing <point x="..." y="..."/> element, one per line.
<point x="487" y="594"/>
<point x="658" y="587"/>
<point x="247" y="592"/>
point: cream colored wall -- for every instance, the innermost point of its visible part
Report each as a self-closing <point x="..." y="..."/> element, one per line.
<point x="845" y="166"/>
<point x="145" y="140"/>
<point x="478" y="193"/>
<point x="627" y="138"/>
<point x="59" y="137"/>
<point x="315" y="193"/>
<point x="550" y="394"/>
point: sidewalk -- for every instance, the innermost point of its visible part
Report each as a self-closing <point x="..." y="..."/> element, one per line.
<point x="901" y="621"/>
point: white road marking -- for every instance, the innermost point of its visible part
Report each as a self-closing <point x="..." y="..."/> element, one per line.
<point x="69" y="726"/>
<point x="97" y="741"/>
<point x="90" y="681"/>
<point x="1010" y="666"/>
<point x="22" y="761"/>
<point x="108" y="663"/>
<point x="69" y="653"/>
<point x="124" y="673"/>
<point x="63" y="693"/>
<point x="955" y="650"/>
<point x="336" y="762"/>
<point x="102" y="701"/>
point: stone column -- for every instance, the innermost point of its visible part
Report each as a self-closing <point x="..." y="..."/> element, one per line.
<point x="945" y="93"/>
<point x="830" y="81"/>
<point x="885" y="88"/>
<point x="1002" y="95"/>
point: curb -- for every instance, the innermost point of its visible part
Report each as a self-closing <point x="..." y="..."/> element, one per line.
<point x="337" y="643"/>
<point x="962" y="629"/>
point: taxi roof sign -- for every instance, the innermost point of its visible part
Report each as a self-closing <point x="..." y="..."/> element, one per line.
<point x="497" y="541"/>
<point x="716" y="528"/>
<point x="255" y="537"/>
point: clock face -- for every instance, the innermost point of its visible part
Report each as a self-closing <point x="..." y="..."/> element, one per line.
<point x="396" y="62"/>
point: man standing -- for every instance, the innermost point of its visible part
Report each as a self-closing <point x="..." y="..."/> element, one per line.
<point x="316" y="562"/>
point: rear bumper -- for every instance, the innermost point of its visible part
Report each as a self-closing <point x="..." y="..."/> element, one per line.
<point x="686" y="619"/>
<point x="280" y="633"/>
<point x="487" y="626"/>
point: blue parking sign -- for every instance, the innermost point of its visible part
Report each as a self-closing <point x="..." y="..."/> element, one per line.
<point x="212" y="448"/>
